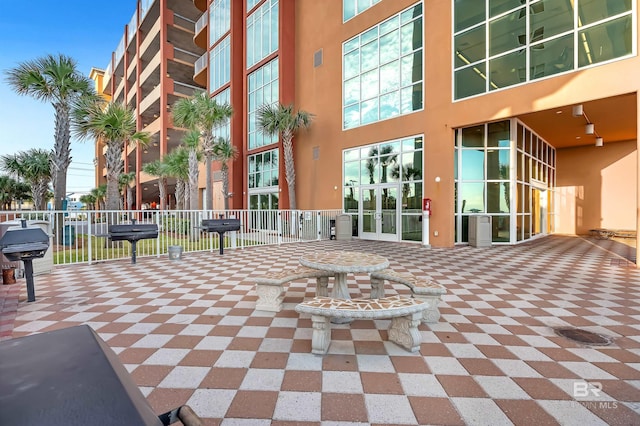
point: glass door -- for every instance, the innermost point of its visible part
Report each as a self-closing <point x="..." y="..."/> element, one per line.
<point x="539" y="211"/>
<point x="379" y="213"/>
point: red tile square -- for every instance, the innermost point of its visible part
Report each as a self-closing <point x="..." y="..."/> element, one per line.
<point x="343" y="407"/>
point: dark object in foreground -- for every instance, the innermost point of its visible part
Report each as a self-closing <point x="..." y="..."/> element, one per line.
<point x="133" y="232"/>
<point x="72" y="377"/>
<point x="25" y="244"/>
<point x="221" y="226"/>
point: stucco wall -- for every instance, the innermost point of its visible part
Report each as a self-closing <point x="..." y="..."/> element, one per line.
<point x="597" y="188"/>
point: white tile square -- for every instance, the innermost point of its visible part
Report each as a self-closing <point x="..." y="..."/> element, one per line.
<point x="389" y="409"/>
<point x="298" y="406"/>
<point x="341" y="382"/>
<point x="422" y="385"/>
<point x="500" y="387"/>
<point x="263" y="379"/>
<point x="166" y="356"/>
<point x="445" y="366"/>
<point x="235" y="359"/>
<point x="184" y="377"/>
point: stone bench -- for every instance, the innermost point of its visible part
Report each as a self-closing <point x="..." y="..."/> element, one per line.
<point x="270" y="287"/>
<point x="405" y="317"/>
<point x="421" y="289"/>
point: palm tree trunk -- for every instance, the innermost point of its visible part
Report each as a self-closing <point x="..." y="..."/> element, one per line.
<point x="225" y="184"/>
<point x="179" y="194"/>
<point x="289" y="167"/>
<point x="114" y="164"/>
<point x="193" y="180"/>
<point x="162" y="187"/>
<point x="207" y="145"/>
<point x="60" y="160"/>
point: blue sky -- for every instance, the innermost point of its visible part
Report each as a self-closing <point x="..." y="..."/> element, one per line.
<point x="31" y="29"/>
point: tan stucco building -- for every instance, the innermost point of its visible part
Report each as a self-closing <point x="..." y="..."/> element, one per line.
<point x="524" y="111"/>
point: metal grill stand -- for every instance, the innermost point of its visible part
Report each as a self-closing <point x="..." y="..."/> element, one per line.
<point x="221" y="226"/>
<point x="25" y="244"/>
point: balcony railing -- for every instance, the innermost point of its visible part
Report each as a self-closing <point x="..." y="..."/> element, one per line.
<point x="119" y="51"/>
<point x="132" y="27"/>
<point x="202" y="22"/>
<point x="145" y="5"/>
<point x="201" y="63"/>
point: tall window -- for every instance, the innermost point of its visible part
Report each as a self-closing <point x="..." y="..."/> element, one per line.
<point x="383" y="70"/>
<point x="219" y="20"/>
<point x="263" y="89"/>
<point x="220" y="65"/>
<point x="351" y="8"/>
<point x="501" y="43"/>
<point x="263" y="180"/>
<point x="262" y="32"/>
<point x="223" y="130"/>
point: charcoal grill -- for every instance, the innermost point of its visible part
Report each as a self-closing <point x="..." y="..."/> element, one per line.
<point x="25" y="244"/>
<point x="221" y="226"/>
<point x="133" y="233"/>
<point x="71" y="377"/>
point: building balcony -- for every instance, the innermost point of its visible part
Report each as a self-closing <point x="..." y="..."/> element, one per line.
<point x="200" y="69"/>
<point x="201" y="5"/>
<point x="200" y="38"/>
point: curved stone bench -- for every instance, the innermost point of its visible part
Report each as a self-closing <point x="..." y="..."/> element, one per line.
<point x="405" y="317"/>
<point x="426" y="290"/>
<point x="270" y="287"/>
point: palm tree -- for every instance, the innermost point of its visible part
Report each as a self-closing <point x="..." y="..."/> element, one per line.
<point x="191" y="141"/>
<point x="89" y="200"/>
<point x="224" y="152"/>
<point x="202" y="113"/>
<point x="99" y="194"/>
<point x="115" y="125"/>
<point x="125" y="180"/>
<point x="10" y="190"/>
<point x="34" y="166"/>
<point x="54" y="79"/>
<point x="177" y="162"/>
<point x="160" y="169"/>
<point x="279" y="119"/>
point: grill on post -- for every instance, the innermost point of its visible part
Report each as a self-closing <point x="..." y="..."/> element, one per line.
<point x="133" y="232"/>
<point x="221" y="226"/>
<point x="25" y="244"/>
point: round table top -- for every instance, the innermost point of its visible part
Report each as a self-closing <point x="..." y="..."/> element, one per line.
<point x="344" y="261"/>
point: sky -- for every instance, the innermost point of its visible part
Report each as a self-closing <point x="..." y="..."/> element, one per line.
<point x="32" y="29"/>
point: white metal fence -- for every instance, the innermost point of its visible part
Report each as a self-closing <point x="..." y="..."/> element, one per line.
<point x="83" y="235"/>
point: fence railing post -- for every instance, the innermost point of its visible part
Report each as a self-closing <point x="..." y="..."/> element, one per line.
<point x="319" y="225"/>
<point x="89" y="239"/>
<point x="279" y="227"/>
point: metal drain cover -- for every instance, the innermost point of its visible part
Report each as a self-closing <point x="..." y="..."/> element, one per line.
<point x="583" y="336"/>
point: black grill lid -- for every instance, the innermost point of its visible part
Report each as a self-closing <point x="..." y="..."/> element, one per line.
<point x="132" y="228"/>
<point x="14" y="236"/>
<point x="213" y="225"/>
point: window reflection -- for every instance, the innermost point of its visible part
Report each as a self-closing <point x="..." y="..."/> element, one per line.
<point x="388" y="84"/>
<point x="534" y="39"/>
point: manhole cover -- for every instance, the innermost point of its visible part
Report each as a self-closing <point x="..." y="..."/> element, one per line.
<point x="583" y="336"/>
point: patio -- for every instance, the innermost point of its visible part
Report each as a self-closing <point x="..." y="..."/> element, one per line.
<point x="188" y="334"/>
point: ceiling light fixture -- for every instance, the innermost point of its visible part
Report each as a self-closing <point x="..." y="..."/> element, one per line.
<point x="599" y="141"/>
<point x="577" y="110"/>
<point x="590" y="128"/>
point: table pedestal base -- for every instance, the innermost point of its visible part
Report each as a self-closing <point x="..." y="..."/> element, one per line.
<point x="340" y="291"/>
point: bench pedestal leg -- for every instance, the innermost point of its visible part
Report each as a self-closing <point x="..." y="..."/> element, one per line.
<point x="431" y="314"/>
<point x="404" y="331"/>
<point x="269" y="297"/>
<point x="321" y="337"/>
<point x="377" y="288"/>
<point x="322" y="286"/>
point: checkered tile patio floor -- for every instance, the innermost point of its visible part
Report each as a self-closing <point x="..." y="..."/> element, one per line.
<point x="188" y="334"/>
